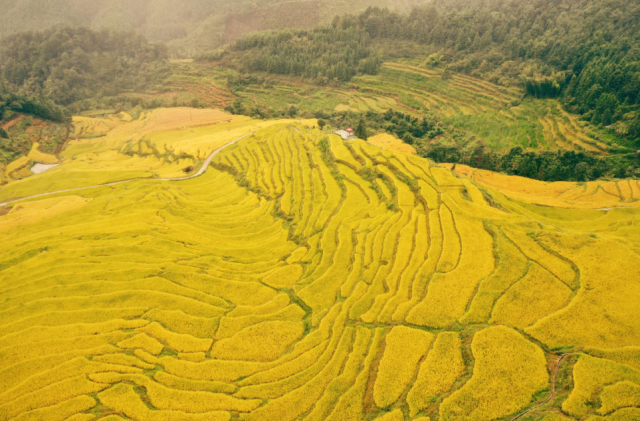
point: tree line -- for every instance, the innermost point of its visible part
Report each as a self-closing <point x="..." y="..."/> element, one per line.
<point x="545" y="166"/>
<point x="36" y="106"/>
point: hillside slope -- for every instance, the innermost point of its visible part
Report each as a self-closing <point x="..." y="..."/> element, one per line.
<point x="583" y="52"/>
<point x="303" y="277"/>
<point x="191" y="25"/>
<point x="29" y="140"/>
<point x="468" y="120"/>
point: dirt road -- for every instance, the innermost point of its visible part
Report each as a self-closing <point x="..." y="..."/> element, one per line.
<point x="553" y="388"/>
<point x="201" y="171"/>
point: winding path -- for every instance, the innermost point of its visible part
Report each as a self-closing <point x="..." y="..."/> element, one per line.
<point x="553" y="389"/>
<point x="201" y="171"/>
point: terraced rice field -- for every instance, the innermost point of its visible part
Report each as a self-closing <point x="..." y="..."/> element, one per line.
<point x="392" y="143"/>
<point x="302" y="277"/>
<point x="189" y="82"/>
<point x="30" y="141"/>
<point x="487" y="113"/>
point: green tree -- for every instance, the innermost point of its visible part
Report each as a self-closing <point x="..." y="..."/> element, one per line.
<point x="581" y="171"/>
<point x="361" y="129"/>
<point x="322" y="54"/>
<point x="67" y="65"/>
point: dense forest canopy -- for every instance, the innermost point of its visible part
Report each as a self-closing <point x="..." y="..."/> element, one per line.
<point x="68" y="66"/>
<point x="37" y="106"/>
<point x="545" y="165"/>
<point x="324" y="53"/>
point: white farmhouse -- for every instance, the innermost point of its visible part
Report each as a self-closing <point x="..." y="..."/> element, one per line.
<point x="345" y="134"/>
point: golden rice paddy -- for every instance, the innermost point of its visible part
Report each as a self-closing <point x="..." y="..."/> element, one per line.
<point x="392" y="143"/>
<point x="303" y="277"/>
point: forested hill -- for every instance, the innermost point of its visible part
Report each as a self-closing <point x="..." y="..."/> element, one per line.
<point x="585" y="51"/>
<point x="187" y="26"/>
<point x="324" y="54"/>
<point x="70" y="65"/>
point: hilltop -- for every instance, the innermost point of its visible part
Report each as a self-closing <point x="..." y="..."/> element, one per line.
<point x="188" y="26"/>
<point x="304" y="277"/>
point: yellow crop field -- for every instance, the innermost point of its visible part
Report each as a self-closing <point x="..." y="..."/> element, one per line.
<point x="442" y="367"/>
<point x="619" y="395"/>
<point x="392" y="143"/>
<point x="300" y="277"/>
<point x="405" y="347"/>
<point x="508" y="372"/>
<point x="37" y="156"/>
<point x="617" y="384"/>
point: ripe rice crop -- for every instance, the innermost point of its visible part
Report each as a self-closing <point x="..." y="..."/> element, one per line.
<point x="179" y="342"/>
<point x="289" y="282"/>
<point x="144" y="342"/>
<point x="404" y="348"/>
<point x="492" y="393"/>
<point x="591" y="375"/>
<point x="162" y="397"/>
<point x="285" y="277"/>
<point x="37" y="156"/>
<point x="65" y="410"/>
<point x="438" y="372"/>
<point x="395" y="415"/>
<point x="124" y="399"/>
<point x="535" y="296"/>
<point x="620" y="395"/>
<point x="620" y="415"/>
<point x="16" y="165"/>
<point x="511" y="267"/>
<point x="391" y="143"/>
<point x="262" y="342"/>
<point x="229" y="326"/>
<point x="343" y="382"/>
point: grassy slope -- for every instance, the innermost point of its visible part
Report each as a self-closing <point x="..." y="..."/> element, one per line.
<point x="294" y="277"/>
